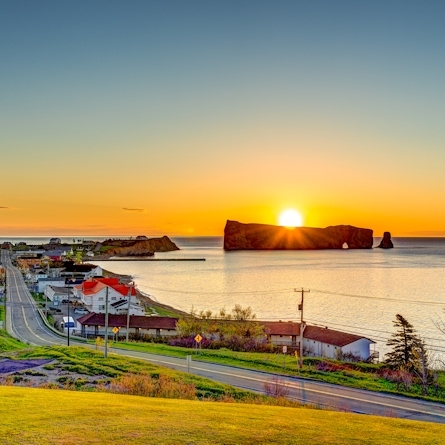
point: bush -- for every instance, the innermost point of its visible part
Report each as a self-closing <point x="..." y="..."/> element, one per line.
<point x="276" y="387"/>
<point x="399" y="377"/>
<point x="233" y="343"/>
<point x="148" y="386"/>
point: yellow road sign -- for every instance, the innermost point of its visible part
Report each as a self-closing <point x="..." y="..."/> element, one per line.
<point x="198" y="339"/>
<point x="115" y="330"/>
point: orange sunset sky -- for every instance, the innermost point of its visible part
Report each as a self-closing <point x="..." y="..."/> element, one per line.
<point x="170" y="118"/>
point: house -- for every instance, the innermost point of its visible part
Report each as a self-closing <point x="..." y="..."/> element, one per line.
<point x="84" y="271"/>
<point x="56" y="255"/>
<point x="43" y="282"/>
<point x="55" y="241"/>
<point x="92" y="293"/>
<point x="93" y="325"/>
<point x="57" y="294"/>
<point x="318" y="341"/>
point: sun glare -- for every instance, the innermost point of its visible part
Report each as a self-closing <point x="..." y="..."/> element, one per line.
<point x="290" y="218"/>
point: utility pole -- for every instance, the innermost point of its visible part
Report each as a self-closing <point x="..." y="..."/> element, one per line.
<point x="302" y="324"/>
<point x="106" y="324"/>
<point x="130" y="288"/>
<point x="68" y="322"/>
<point x="4" y="298"/>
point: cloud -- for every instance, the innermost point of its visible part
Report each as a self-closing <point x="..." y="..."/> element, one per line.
<point x="3" y="207"/>
<point x="132" y="210"/>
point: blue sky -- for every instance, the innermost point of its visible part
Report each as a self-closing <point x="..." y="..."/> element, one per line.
<point x="348" y="94"/>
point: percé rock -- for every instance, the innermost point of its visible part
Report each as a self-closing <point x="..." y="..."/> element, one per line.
<point x="139" y="247"/>
<point x="239" y="236"/>
<point x="386" y="242"/>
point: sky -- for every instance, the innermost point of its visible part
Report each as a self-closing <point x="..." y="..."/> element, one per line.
<point x="170" y="117"/>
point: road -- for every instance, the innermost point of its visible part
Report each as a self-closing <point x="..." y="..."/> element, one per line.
<point x="25" y="324"/>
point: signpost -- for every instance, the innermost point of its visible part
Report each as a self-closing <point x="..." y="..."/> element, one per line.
<point x="115" y="331"/>
<point x="198" y="340"/>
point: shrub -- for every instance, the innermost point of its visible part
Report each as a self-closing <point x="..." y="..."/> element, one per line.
<point x="330" y="367"/>
<point x="400" y="376"/>
<point x="147" y="386"/>
<point x="276" y="387"/>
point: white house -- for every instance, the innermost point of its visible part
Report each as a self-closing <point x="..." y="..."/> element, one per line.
<point x="55" y="293"/>
<point x="43" y="282"/>
<point x="318" y="341"/>
<point x="92" y="293"/>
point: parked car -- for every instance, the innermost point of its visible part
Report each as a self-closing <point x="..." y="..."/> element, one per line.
<point x="55" y="309"/>
<point x="65" y="301"/>
<point x="81" y="310"/>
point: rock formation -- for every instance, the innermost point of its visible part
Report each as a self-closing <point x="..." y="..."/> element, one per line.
<point x="386" y="242"/>
<point x="139" y="247"/>
<point x="238" y="236"/>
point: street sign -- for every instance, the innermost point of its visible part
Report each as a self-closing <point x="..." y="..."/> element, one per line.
<point x="115" y="330"/>
<point x="198" y="339"/>
<point x="284" y="349"/>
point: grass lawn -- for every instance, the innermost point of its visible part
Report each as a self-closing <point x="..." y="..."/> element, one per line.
<point x="40" y="416"/>
<point x="361" y="375"/>
<point x="84" y="361"/>
<point x="7" y="343"/>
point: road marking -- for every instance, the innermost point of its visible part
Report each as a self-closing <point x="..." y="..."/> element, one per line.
<point x="28" y="297"/>
<point x="32" y="332"/>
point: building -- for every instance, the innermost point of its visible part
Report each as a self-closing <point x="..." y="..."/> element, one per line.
<point x="84" y="271"/>
<point x="57" y="294"/>
<point x="93" y="324"/>
<point x="92" y="293"/>
<point x="43" y="282"/>
<point x="318" y="341"/>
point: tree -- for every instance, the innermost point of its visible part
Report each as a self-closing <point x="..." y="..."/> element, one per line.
<point x="422" y="370"/>
<point x="404" y="343"/>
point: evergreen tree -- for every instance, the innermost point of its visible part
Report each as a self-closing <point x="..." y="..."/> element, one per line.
<point x="404" y="343"/>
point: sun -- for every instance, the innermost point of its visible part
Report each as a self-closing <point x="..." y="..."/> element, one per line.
<point x="290" y="218"/>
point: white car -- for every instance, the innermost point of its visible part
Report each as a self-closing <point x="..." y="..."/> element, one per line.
<point x="81" y="310"/>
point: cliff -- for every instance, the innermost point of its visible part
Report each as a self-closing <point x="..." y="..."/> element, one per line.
<point x="238" y="236"/>
<point x="139" y="247"/>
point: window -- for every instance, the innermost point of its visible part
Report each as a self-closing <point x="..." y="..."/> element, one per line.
<point x="101" y="298"/>
<point x="113" y="298"/>
<point x="102" y="307"/>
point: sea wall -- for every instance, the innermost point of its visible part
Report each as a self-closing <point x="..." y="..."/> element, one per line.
<point x="239" y="236"/>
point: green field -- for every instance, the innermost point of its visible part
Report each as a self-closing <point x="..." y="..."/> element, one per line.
<point x="7" y="343"/>
<point x="40" y="416"/>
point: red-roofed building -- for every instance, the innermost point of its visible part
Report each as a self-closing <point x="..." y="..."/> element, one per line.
<point x="318" y="341"/>
<point x="93" y="325"/>
<point x="92" y="293"/>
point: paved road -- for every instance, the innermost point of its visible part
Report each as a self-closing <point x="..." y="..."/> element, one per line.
<point x="24" y="323"/>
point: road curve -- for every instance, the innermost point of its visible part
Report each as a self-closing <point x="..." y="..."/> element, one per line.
<point x="24" y="323"/>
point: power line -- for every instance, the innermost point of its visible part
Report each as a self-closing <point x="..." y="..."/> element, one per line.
<point x="398" y="300"/>
<point x="281" y="291"/>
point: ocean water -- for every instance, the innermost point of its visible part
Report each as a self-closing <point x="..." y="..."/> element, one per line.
<point x="357" y="291"/>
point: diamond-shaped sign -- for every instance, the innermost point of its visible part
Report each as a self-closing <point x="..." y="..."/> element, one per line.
<point x="115" y="330"/>
<point x="198" y="339"/>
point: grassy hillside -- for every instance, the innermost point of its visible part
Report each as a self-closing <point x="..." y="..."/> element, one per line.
<point x="355" y="375"/>
<point x="41" y="416"/>
<point x="7" y="343"/>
